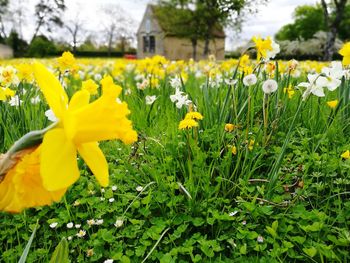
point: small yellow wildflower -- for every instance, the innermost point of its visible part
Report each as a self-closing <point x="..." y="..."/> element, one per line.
<point x="244" y="61"/>
<point x="187" y="124"/>
<point x="345" y="155"/>
<point x="234" y="150"/>
<point x="345" y="52"/>
<point x="194" y="116"/>
<point x="229" y="127"/>
<point x="290" y="91"/>
<point x="251" y="145"/>
<point x="90" y="86"/>
<point x="332" y="104"/>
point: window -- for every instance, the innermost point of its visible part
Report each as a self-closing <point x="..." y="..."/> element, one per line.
<point x="145" y="44"/>
<point x="152" y="44"/>
<point x="149" y="44"/>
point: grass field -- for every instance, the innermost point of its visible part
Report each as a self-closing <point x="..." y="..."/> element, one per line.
<point x="235" y="161"/>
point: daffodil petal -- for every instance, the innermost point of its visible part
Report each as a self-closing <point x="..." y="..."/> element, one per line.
<point x="59" y="167"/>
<point x="95" y="159"/>
<point x="54" y="93"/>
<point x="79" y="99"/>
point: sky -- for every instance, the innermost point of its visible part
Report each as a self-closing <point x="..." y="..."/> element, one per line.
<point x="266" y="22"/>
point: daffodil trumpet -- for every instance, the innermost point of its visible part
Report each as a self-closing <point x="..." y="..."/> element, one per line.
<point x="29" y="140"/>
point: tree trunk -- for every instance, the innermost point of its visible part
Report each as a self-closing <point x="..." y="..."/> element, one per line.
<point x="206" y="46"/>
<point x="332" y="26"/>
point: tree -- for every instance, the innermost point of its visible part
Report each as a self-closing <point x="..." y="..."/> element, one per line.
<point x="75" y="29"/>
<point x="214" y="14"/>
<point x="333" y="14"/>
<point x="332" y="17"/>
<point x="3" y="10"/>
<point x="117" y="25"/>
<point x="48" y="13"/>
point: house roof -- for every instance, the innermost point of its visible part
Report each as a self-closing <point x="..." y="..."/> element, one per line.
<point x="172" y="30"/>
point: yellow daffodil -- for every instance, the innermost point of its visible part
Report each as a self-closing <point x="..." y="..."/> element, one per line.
<point x="81" y="125"/>
<point x="25" y="72"/>
<point x="67" y="61"/>
<point x="187" y="124"/>
<point x="345" y="155"/>
<point x="332" y="104"/>
<point x="262" y="46"/>
<point x="23" y="187"/>
<point x="345" y="52"/>
<point x="90" y="86"/>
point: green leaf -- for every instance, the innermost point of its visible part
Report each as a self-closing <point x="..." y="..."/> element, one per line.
<point x="60" y="255"/>
<point x="311" y="252"/>
<point x="26" y="250"/>
<point x="298" y="239"/>
<point x="243" y="249"/>
<point x="271" y="231"/>
<point x="315" y="227"/>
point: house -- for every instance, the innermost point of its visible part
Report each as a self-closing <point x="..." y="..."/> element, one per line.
<point x="154" y="38"/>
<point x="5" y="52"/>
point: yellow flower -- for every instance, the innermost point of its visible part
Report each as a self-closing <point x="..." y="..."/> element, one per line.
<point x="90" y="86"/>
<point x="187" y="124"/>
<point x="81" y="125"/>
<point x="345" y="52"/>
<point x="332" y="104"/>
<point x="262" y="46"/>
<point x="244" y="61"/>
<point x="25" y="72"/>
<point x="66" y="61"/>
<point x="345" y="155"/>
<point x="23" y="187"/>
<point x="290" y="91"/>
<point x="234" y="150"/>
<point x="251" y="145"/>
<point x="229" y="127"/>
<point x="194" y="116"/>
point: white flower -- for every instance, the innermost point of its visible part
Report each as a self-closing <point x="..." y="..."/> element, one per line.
<point x="70" y="225"/>
<point x="70" y="238"/>
<point x="102" y="190"/>
<point x="314" y="86"/>
<point x="53" y="225"/>
<point x="233" y="213"/>
<point x="51" y="116"/>
<point x="111" y="200"/>
<point x="77" y="226"/>
<point x="128" y="91"/>
<point x="249" y="80"/>
<point x="99" y="222"/>
<point x="81" y="233"/>
<point x="35" y="100"/>
<point x="260" y="239"/>
<point x="91" y="222"/>
<point x="180" y="99"/>
<point x="176" y="82"/>
<point x="15" y="101"/>
<point x="114" y="188"/>
<point x="269" y="86"/>
<point x="150" y="99"/>
<point x="118" y="223"/>
<point x="102" y="198"/>
<point x="108" y="261"/>
<point x="98" y="77"/>
<point x="139" y="188"/>
<point x="333" y="75"/>
<point x="230" y="81"/>
<point x="275" y="50"/>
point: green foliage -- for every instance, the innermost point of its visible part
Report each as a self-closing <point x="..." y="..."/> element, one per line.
<point x="198" y="202"/>
<point x="41" y="47"/>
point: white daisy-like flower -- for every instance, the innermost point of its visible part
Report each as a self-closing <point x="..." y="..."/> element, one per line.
<point x="139" y="188"/>
<point x="111" y="200"/>
<point x="114" y="188"/>
<point x="70" y="225"/>
<point x="81" y="233"/>
<point x="53" y="225"/>
<point x="118" y="223"/>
